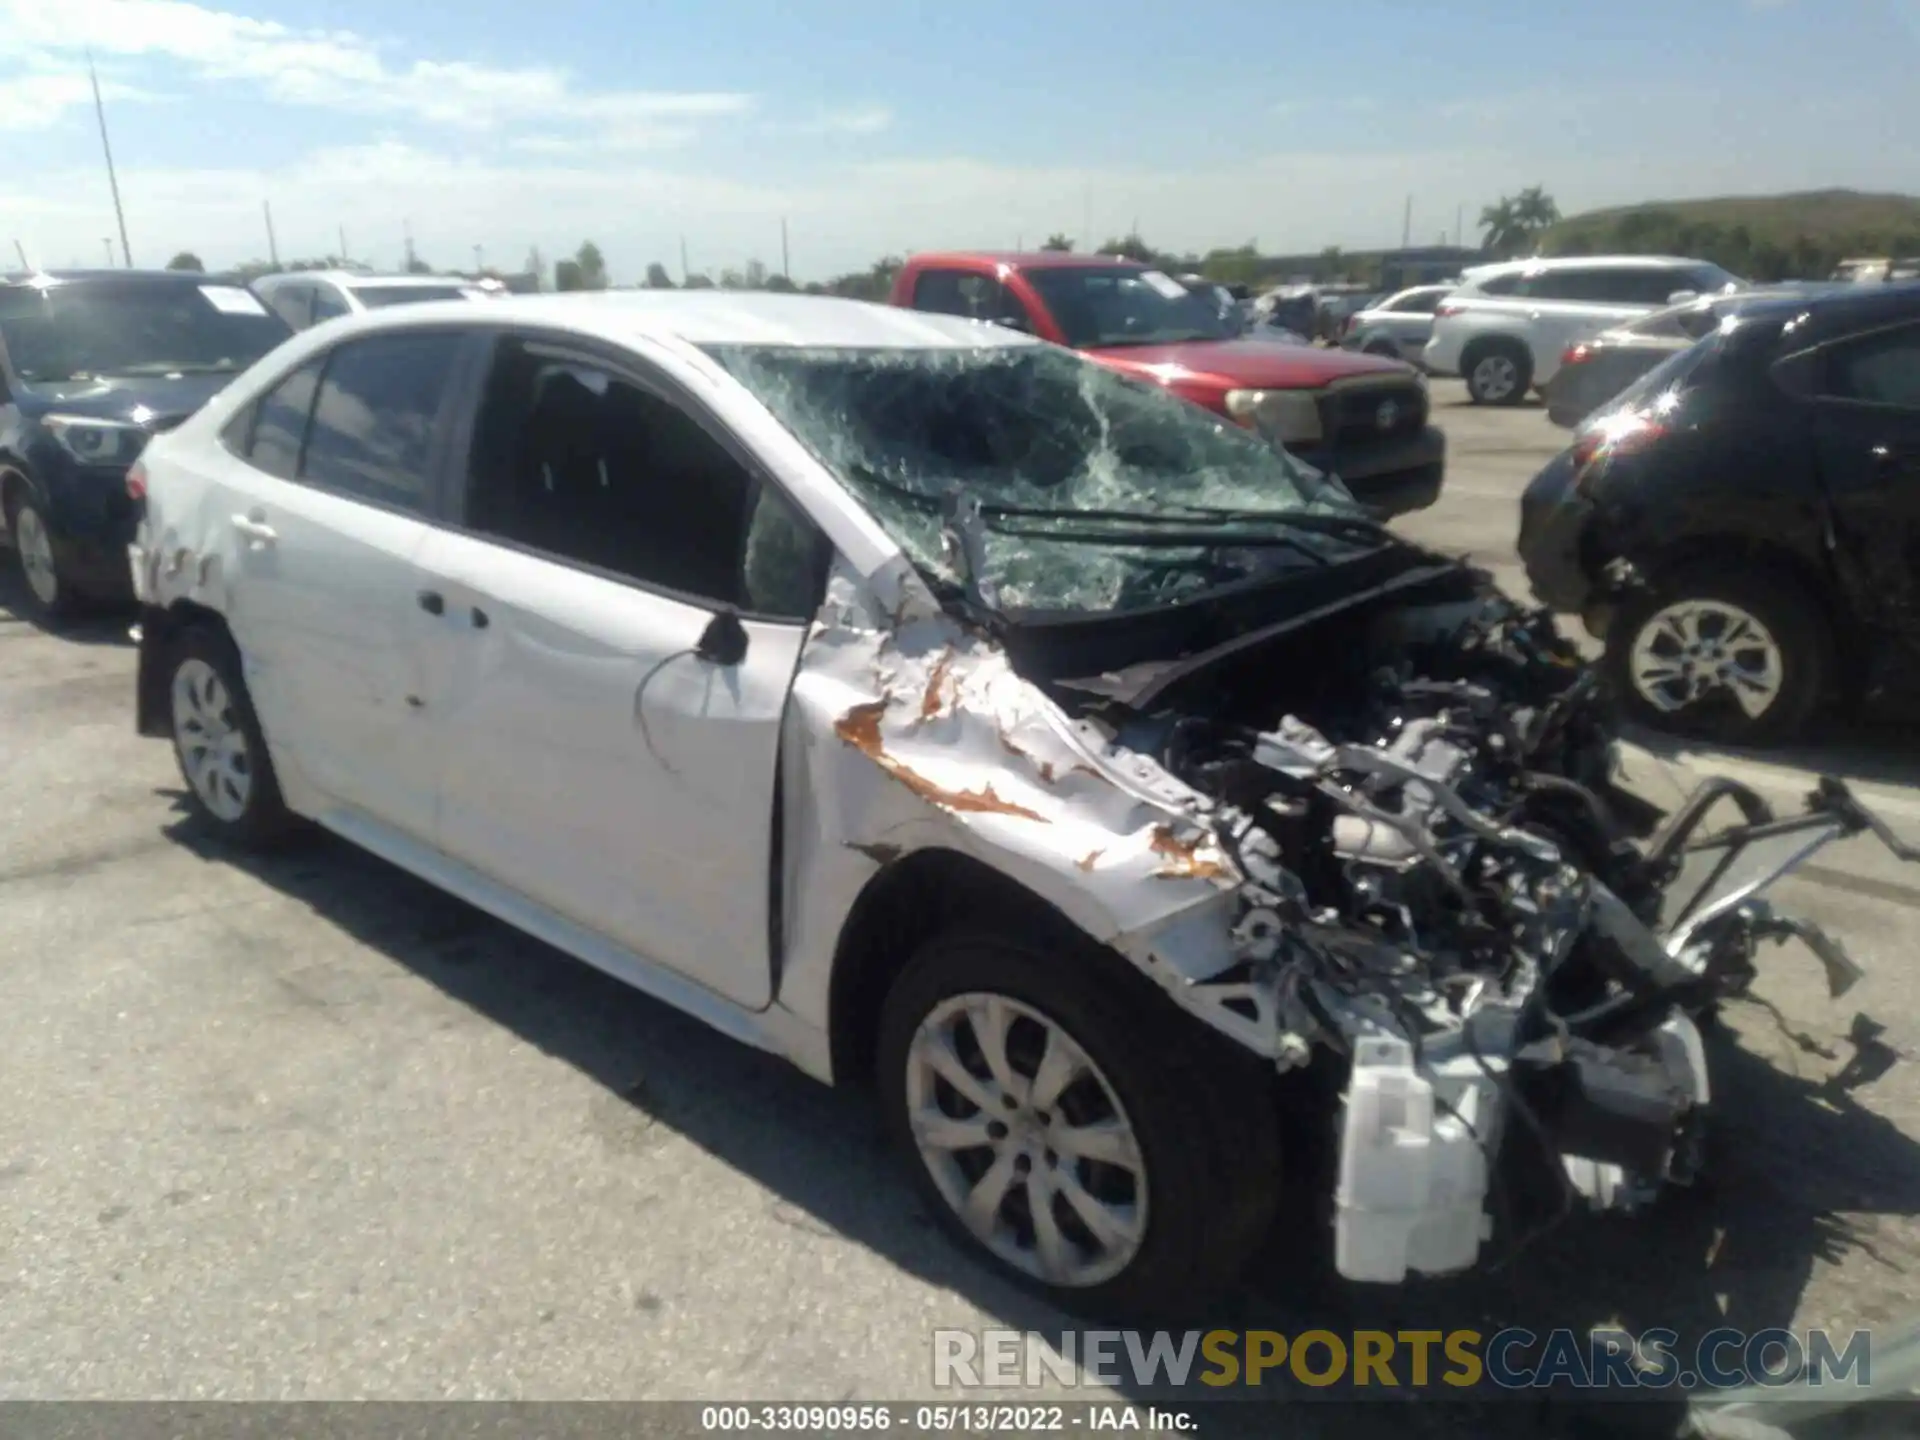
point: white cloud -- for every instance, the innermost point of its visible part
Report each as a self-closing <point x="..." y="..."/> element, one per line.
<point x="859" y="120"/>
<point x="334" y="69"/>
<point x="41" y="97"/>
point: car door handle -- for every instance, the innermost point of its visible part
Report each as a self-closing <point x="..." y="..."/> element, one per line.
<point x="479" y="618"/>
<point x="255" y="530"/>
<point x="433" y="602"/>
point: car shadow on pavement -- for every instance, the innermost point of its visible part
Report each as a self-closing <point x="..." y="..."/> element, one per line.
<point x="1804" y="1174"/>
<point x="90" y="625"/>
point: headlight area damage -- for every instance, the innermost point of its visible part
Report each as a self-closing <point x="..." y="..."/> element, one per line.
<point x="1383" y="829"/>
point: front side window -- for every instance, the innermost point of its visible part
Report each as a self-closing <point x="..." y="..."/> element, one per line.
<point x="1109" y="306"/>
<point x="1091" y="484"/>
<point x="85" y="329"/>
<point x="373" y="428"/>
<point x="579" y="462"/>
<point x="1417" y="302"/>
<point x="294" y="304"/>
<point x="966" y="294"/>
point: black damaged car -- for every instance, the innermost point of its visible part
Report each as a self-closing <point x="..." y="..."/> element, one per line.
<point x="92" y="364"/>
<point x="1742" y="525"/>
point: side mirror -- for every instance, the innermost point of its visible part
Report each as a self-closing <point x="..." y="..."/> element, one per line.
<point x="724" y="641"/>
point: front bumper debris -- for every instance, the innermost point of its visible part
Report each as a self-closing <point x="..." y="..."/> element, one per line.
<point x="1618" y="1091"/>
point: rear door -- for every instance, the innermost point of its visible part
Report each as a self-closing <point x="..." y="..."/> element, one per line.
<point x="621" y="610"/>
<point x="330" y="491"/>
<point x="1576" y="303"/>
<point x="1867" y="419"/>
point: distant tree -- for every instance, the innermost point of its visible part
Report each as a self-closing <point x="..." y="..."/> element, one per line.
<point x="756" y="276"/>
<point x="186" y="260"/>
<point x="1240" y="265"/>
<point x="417" y="266"/>
<point x="815" y="287"/>
<point x="1500" y="228"/>
<point x="1332" y="265"/>
<point x="697" y="281"/>
<point x="1057" y="241"/>
<point x="781" y="284"/>
<point x="1517" y="222"/>
<point x="731" y="279"/>
<point x="567" y="275"/>
<point x="1535" y="211"/>
<point x="592" y="265"/>
<point x="1129" y="247"/>
<point x="254" y="269"/>
<point x="657" y="277"/>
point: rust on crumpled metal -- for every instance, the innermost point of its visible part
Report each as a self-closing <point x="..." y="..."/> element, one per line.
<point x="1182" y="856"/>
<point x="860" y="728"/>
<point x="931" y="702"/>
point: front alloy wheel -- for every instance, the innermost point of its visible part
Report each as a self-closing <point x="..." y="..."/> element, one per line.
<point x="1064" y="1119"/>
<point x="1026" y="1140"/>
<point x="1688" y="651"/>
<point x="1494" y="379"/>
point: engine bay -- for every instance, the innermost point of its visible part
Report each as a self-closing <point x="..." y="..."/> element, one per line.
<point x="1445" y="889"/>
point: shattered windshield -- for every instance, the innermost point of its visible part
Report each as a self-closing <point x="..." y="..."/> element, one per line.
<point x="1097" y="492"/>
<point x="1100" y="307"/>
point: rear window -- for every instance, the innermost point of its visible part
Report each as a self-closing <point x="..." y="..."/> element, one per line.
<point x="1673" y="376"/>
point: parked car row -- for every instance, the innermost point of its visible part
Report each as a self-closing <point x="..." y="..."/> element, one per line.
<point x="959" y="717"/>
<point x="93" y="364"/>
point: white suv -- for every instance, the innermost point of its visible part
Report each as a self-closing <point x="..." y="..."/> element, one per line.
<point x="1504" y="327"/>
<point x="308" y="297"/>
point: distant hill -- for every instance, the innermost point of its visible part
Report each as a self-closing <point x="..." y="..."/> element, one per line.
<point x="1764" y="236"/>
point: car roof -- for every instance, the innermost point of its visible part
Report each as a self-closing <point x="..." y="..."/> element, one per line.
<point x="1028" y="259"/>
<point x="359" y="279"/>
<point x="1841" y="311"/>
<point x="1579" y="262"/>
<point x="707" y="317"/>
<point x="147" y="277"/>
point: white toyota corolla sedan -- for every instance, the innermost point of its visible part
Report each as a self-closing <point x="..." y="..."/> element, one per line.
<point x="949" y="713"/>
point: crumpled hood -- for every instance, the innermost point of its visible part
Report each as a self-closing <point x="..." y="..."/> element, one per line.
<point x="1244" y="364"/>
<point x="142" y="399"/>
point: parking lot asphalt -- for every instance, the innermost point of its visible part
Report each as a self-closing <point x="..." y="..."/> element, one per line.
<point x="306" y="1129"/>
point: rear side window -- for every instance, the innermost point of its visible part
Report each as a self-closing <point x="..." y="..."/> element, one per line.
<point x="379" y="408"/>
<point x="1500" y="285"/>
<point x="327" y="303"/>
<point x="1420" y="304"/>
<point x="279" y="424"/>
<point x="1882" y="369"/>
<point x="963" y="293"/>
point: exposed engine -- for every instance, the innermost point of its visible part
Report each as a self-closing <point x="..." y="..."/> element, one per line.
<point x="1444" y="887"/>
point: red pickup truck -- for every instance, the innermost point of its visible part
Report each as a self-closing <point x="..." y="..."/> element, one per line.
<point x="1361" y="417"/>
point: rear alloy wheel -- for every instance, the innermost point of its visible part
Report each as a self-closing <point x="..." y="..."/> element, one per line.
<point x="218" y="742"/>
<point x="1739" y="659"/>
<point x="47" y="590"/>
<point x="1498" y="374"/>
<point x="1064" y="1121"/>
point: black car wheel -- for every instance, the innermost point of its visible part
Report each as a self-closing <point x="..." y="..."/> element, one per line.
<point x="1739" y="657"/>
<point x="219" y="744"/>
<point x="49" y="594"/>
<point x="1498" y="372"/>
<point x="1065" y="1123"/>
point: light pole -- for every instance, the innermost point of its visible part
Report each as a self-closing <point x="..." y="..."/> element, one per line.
<point x="113" y="183"/>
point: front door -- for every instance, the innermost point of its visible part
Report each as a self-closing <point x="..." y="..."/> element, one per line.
<point x="328" y="502"/>
<point x="610" y="686"/>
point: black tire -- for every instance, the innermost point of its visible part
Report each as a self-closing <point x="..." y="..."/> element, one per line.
<point x="262" y="820"/>
<point x="1782" y="605"/>
<point x="64" y="600"/>
<point x="1490" y="383"/>
<point x="1200" y="1108"/>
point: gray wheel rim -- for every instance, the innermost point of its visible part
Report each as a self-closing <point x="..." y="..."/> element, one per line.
<point x="1496" y="377"/>
<point x="1692" y="649"/>
<point x="1026" y="1140"/>
<point x="212" y="746"/>
<point x="36" y="555"/>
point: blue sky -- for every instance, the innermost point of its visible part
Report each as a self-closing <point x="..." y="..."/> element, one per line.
<point x="874" y="128"/>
